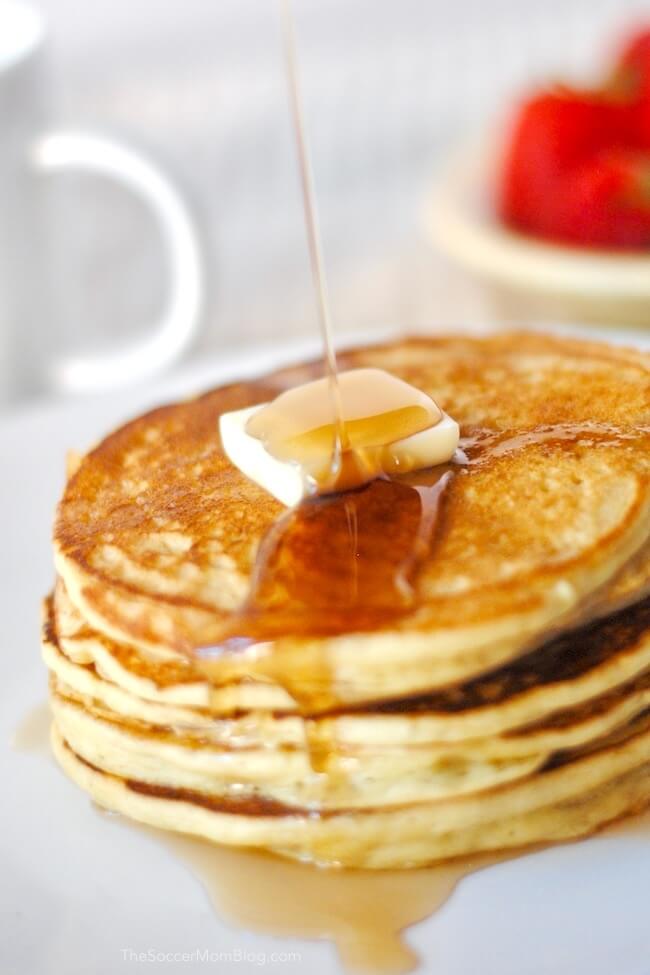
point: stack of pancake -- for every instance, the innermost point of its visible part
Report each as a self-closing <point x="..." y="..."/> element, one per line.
<point x="507" y="704"/>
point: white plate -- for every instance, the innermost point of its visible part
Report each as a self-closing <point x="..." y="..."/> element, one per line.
<point x="75" y="891"/>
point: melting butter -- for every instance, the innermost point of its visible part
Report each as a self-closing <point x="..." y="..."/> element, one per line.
<point x="378" y="408"/>
<point x="295" y="446"/>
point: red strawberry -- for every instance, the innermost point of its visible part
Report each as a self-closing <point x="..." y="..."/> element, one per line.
<point x="630" y="84"/>
<point x="553" y="133"/>
<point x="632" y="71"/>
<point x="605" y="202"/>
<point x="637" y="122"/>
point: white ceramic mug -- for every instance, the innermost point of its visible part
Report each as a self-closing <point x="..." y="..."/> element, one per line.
<point x="29" y="359"/>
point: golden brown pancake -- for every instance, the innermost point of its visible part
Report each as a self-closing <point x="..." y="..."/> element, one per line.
<point x="157" y="532"/>
<point x="568" y="672"/>
<point x="483" y="687"/>
<point x="563" y="802"/>
<point x="180" y="748"/>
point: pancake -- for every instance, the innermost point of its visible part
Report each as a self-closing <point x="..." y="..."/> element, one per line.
<point x="486" y="686"/>
<point x="562" y="803"/>
<point x="157" y="532"/>
<point x="158" y="745"/>
<point x="563" y="674"/>
<point x="565" y="727"/>
<point x="365" y="779"/>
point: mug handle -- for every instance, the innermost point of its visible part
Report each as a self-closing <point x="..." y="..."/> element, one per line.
<point x="177" y="326"/>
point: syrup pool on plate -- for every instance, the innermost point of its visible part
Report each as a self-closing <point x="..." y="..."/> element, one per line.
<point x="363" y="913"/>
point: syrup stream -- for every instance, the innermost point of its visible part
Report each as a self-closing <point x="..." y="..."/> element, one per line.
<point x="313" y="231"/>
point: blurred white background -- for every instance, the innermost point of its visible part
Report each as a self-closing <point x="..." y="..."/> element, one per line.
<point x="390" y="86"/>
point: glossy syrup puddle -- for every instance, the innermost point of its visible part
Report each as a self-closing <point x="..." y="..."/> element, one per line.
<point x="491" y="444"/>
<point x="346" y="563"/>
<point x="364" y="913"/>
<point x="342" y="562"/>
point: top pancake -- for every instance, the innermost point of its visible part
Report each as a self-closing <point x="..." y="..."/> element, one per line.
<point x="157" y="532"/>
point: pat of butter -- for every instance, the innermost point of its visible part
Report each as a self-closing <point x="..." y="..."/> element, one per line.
<point x="288" y="480"/>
